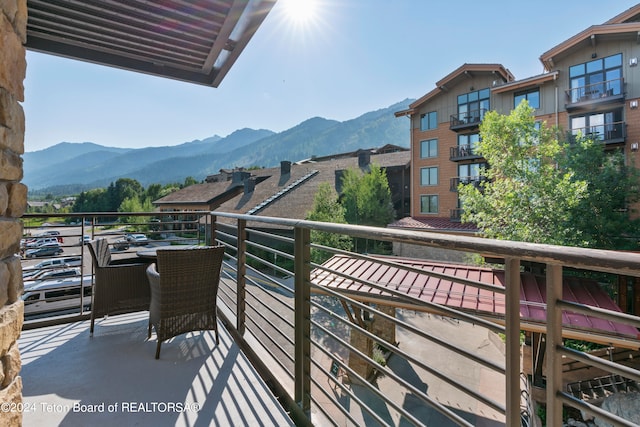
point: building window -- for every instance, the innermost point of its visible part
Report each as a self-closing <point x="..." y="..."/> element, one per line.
<point x="429" y="176"/>
<point x="595" y="79"/>
<point x="428" y="148"/>
<point x="532" y="96"/>
<point x="468" y="144"/>
<point x="472" y="106"/>
<point x="429" y="204"/>
<point x="604" y="126"/>
<point x="470" y="172"/>
<point x="429" y="121"/>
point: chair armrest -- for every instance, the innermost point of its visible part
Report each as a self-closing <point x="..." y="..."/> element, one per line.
<point x="130" y="260"/>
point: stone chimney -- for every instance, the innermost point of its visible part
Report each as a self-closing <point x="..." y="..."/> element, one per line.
<point x="249" y="185"/>
<point x="338" y="180"/>
<point x="364" y="158"/>
<point x="239" y="177"/>
<point x="285" y="167"/>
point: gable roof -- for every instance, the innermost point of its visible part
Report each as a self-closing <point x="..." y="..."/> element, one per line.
<point x="454" y="78"/>
<point x="589" y="38"/>
<point x="287" y="201"/>
<point x="197" y="42"/>
<point x="436" y="224"/>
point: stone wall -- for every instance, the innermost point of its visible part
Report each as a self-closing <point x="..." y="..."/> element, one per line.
<point x="13" y="202"/>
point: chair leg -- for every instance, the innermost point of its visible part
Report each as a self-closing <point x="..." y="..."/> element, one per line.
<point x="217" y="337"/>
<point x="149" y="332"/>
<point x="92" y="323"/>
<point x="158" y="350"/>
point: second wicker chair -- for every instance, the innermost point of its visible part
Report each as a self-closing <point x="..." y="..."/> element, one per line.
<point x="184" y="289"/>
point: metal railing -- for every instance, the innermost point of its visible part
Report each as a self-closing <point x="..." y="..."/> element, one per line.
<point x="465" y="151"/>
<point x="602" y="91"/>
<point x="608" y="133"/>
<point x="319" y="346"/>
<point x="380" y="355"/>
<point x="47" y="306"/>
<point x="467" y="119"/>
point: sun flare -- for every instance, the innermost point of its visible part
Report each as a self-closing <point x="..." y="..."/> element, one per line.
<point x="300" y="11"/>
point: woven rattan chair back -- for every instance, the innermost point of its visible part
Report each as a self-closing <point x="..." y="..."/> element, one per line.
<point x="184" y="289"/>
<point x="120" y="286"/>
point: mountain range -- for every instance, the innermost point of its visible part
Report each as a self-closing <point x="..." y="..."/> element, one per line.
<point x="67" y="168"/>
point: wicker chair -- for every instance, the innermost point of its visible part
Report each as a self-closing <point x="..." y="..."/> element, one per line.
<point x="121" y="286"/>
<point x="184" y="289"/>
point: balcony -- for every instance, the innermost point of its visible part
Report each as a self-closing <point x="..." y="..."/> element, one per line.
<point x="337" y="342"/>
<point x="476" y="181"/>
<point x="608" y="134"/>
<point x="463" y="152"/>
<point x="589" y="96"/>
<point x="468" y="120"/>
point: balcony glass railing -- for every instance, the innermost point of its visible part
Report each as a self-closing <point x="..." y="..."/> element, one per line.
<point x="609" y="133"/>
<point x="597" y="91"/>
<point x="343" y="340"/>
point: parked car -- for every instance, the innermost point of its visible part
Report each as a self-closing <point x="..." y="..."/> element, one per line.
<point x="41" y="241"/>
<point x="137" y="239"/>
<point x="85" y="239"/>
<point x="71" y="261"/>
<point x="49" y="249"/>
<point x="55" y="295"/>
<point x="45" y="275"/>
<point x="121" y="245"/>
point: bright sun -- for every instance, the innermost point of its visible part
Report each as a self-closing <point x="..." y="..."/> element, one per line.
<point x="300" y="11"/>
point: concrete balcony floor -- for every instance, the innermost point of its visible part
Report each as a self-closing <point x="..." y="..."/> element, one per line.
<point x="112" y="378"/>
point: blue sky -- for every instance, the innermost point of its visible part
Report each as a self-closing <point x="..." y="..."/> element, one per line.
<point x="351" y="57"/>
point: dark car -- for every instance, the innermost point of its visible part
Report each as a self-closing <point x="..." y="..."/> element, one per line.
<point x="48" y="249"/>
<point x="120" y="245"/>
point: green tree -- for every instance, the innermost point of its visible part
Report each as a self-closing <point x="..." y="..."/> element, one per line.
<point x="539" y="188"/>
<point x="366" y="197"/>
<point x="326" y="208"/>
<point x="124" y="188"/>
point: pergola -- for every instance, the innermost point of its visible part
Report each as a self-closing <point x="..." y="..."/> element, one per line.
<point x="196" y="41"/>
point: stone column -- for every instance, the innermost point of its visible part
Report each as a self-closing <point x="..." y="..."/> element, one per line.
<point x="382" y="327"/>
<point x="13" y="201"/>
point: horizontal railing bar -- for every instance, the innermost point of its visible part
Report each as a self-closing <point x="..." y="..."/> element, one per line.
<point x="273" y="236"/>
<point x="425" y="398"/>
<point x="391" y="347"/>
<point x="271" y="310"/>
<point x="351" y="394"/>
<point x="593" y="259"/>
<point x="414" y="301"/>
<point x="594" y="410"/>
<point x="598" y="362"/>
<point x="333" y="400"/>
<point x="615" y="316"/>
<point x="417" y="270"/>
<point x="484" y="362"/>
<point x="269" y="249"/>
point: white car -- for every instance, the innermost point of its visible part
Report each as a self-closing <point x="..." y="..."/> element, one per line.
<point x="55" y="295"/>
<point x="51" y="275"/>
<point x="137" y="239"/>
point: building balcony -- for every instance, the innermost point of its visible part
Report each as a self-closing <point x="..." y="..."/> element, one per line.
<point x="476" y="181"/>
<point x="590" y="96"/>
<point x="463" y="152"/>
<point x="455" y="215"/>
<point x="610" y="133"/>
<point x="348" y="339"/>
<point x="468" y="120"/>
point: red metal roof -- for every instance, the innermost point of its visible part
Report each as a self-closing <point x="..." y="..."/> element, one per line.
<point x="451" y="293"/>
<point x="434" y="224"/>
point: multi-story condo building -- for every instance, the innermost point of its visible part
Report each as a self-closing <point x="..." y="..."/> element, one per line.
<point x="591" y="83"/>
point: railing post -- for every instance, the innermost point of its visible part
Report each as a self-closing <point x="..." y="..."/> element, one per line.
<point x="241" y="270"/>
<point x="302" y="268"/>
<point x="554" y="339"/>
<point x="512" y="332"/>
